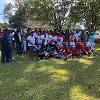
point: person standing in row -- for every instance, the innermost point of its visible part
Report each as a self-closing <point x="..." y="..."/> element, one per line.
<point x="6" y="46"/>
<point x="31" y="43"/>
<point x="0" y="37"/>
<point x="18" y="39"/>
<point x="24" y="43"/>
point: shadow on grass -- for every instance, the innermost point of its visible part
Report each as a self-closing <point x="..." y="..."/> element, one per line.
<point x="83" y="76"/>
<point x="54" y="79"/>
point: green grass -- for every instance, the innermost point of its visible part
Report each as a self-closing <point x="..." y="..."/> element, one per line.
<point x="32" y="79"/>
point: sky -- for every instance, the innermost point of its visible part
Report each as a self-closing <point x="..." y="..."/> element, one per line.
<point x="3" y="3"/>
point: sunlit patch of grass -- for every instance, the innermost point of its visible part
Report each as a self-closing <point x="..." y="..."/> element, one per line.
<point x="85" y="61"/>
<point x="61" y="72"/>
<point x="54" y="73"/>
<point x="87" y="57"/>
<point x="58" y="77"/>
<point x="58" y="61"/>
<point x="52" y="62"/>
<point x="98" y="48"/>
<point x="77" y="93"/>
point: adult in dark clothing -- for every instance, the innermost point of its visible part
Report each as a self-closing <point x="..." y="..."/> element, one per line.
<point x="67" y="34"/>
<point x="47" y="51"/>
<point x="42" y="53"/>
<point x="0" y="37"/>
<point x="18" y="40"/>
<point x="10" y="41"/>
<point x="6" y="47"/>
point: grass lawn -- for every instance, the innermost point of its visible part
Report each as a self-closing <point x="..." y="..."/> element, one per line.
<point x="54" y="79"/>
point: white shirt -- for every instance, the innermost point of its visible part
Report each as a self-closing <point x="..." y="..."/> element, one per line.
<point x="32" y="40"/>
<point x="55" y="38"/>
<point x="39" y="39"/>
<point x="42" y="37"/>
<point x="35" y="35"/>
<point x="46" y="35"/>
<point x="47" y="39"/>
<point x="50" y="38"/>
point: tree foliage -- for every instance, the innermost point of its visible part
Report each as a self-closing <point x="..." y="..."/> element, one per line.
<point x="57" y="13"/>
<point x="7" y="11"/>
<point x="86" y="12"/>
<point x="52" y="12"/>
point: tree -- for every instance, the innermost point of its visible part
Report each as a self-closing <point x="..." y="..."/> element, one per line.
<point x="86" y="12"/>
<point x="58" y="13"/>
<point x="52" y="12"/>
<point x="7" y="11"/>
<point x="17" y="20"/>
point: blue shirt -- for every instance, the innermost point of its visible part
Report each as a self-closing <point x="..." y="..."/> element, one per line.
<point x="91" y="38"/>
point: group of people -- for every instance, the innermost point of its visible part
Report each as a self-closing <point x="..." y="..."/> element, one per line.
<point x="46" y="44"/>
